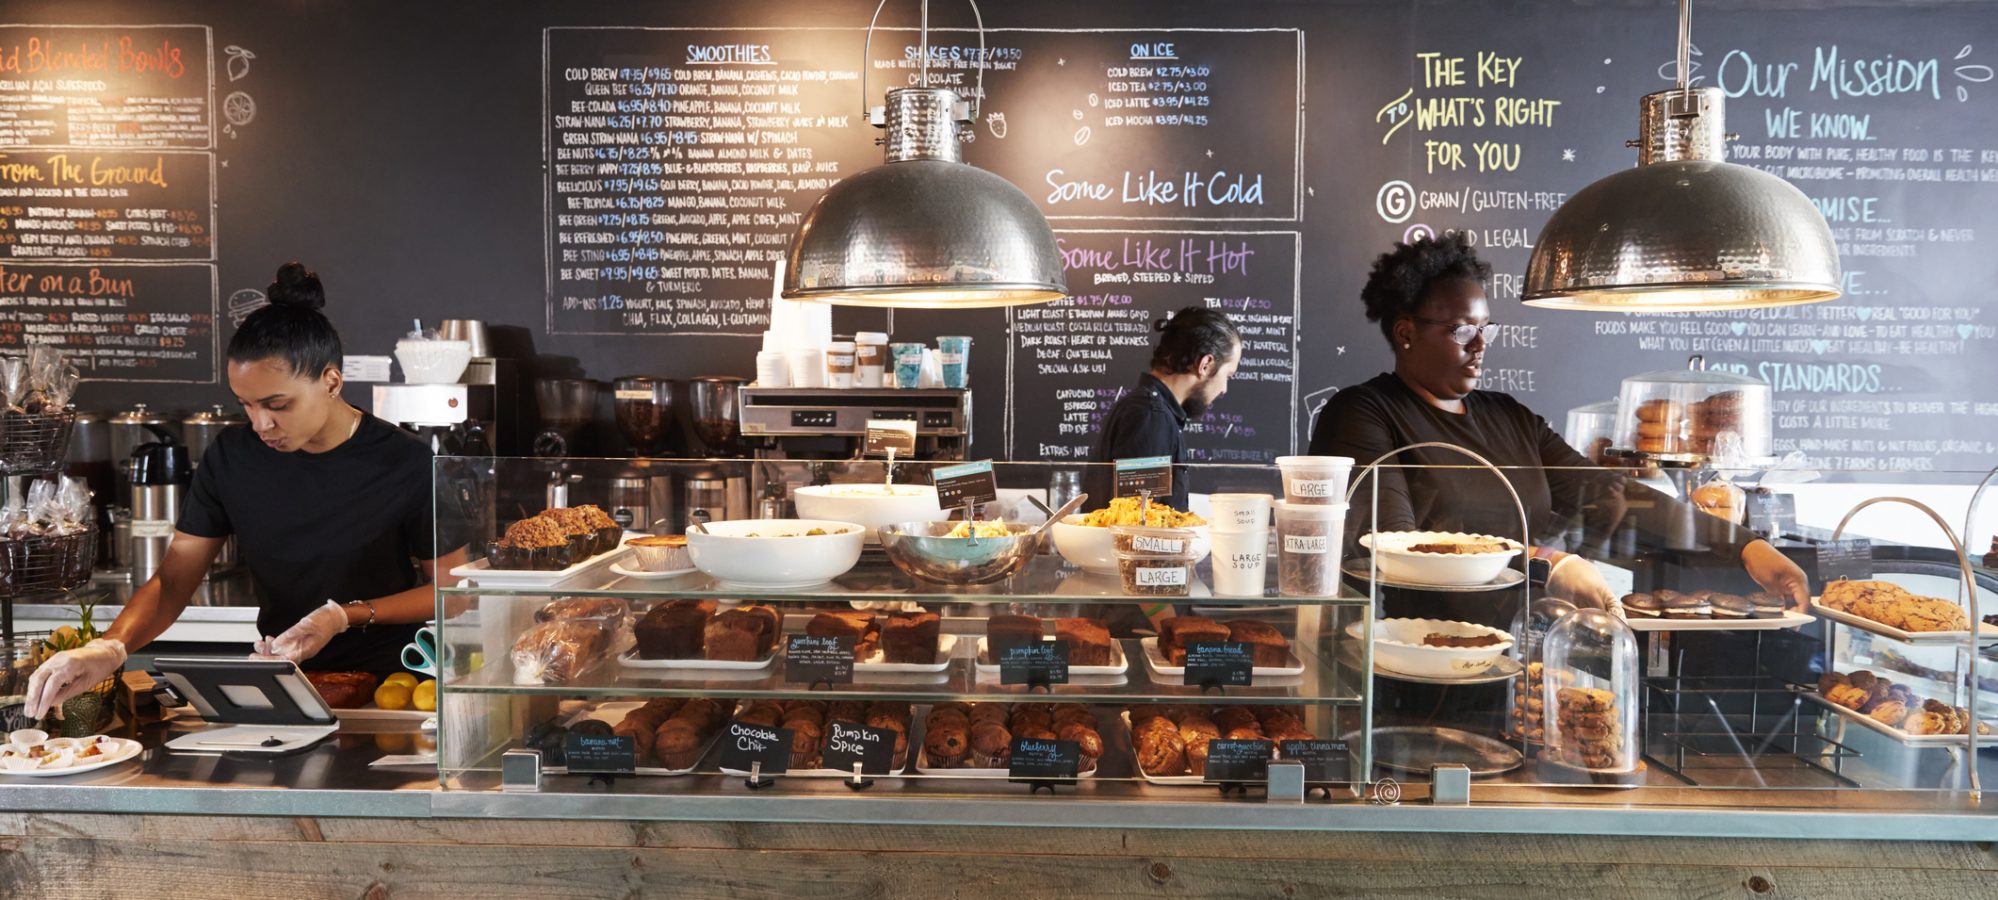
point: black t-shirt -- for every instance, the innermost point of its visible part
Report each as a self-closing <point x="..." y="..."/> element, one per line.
<point x="1570" y="502"/>
<point x="347" y="524"/>
<point x="1147" y="421"/>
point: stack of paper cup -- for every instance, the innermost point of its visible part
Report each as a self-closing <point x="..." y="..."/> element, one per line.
<point x="772" y="370"/>
<point x="1240" y="530"/>
<point x="1315" y="479"/>
<point x="807" y="368"/>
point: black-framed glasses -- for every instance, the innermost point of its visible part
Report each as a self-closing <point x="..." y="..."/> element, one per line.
<point x="1463" y="333"/>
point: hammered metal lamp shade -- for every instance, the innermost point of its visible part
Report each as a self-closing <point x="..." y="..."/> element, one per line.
<point x="1683" y="236"/>
<point x="924" y="233"/>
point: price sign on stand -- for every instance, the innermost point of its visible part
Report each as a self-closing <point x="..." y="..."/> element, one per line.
<point x="590" y="754"/>
<point x="1324" y="761"/>
<point x="812" y="659"/>
<point x="965" y="483"/>
<point x="1237" y="762"/>
<point x="744" y="745"/>
<point x="1220" y="664"/>
<point x="1852" y="559"/>
<point x="1037" y="761"/>
<point x="847" y="743"/>
<point x="1033" y="662"/>
<point x="1145" y="473"/>
<point x="893" y="438"/>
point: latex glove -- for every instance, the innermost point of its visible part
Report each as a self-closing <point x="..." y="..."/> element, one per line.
<point x="261" y="648"/>
<point x="304" y="641"/>
<point x="71" y="672"/>
<point x="1577" y="581"/>
<point x="1776" y="574"/>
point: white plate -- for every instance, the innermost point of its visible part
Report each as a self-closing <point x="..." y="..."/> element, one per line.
<point x="1988" y="632"/>
<point x="1912" y="740"/>
<point x="1157" y="662"/>
<point x="483" y="574"/>
<point x="374" y="715"/>
<point x="1789" y="619"/>
<point x="1398" y="647"/>
<point x="924" y="768"/>
<point x="946" y="646"/>
<point x="1362" y="569"/>
<point x="1119" y="667"/>
<point x="126" y="750"/>
<point x="1448" y="569"/>
<point x="630" y="660"/>
<point x="619" y="569"/>
<point x="1503" y="668"/>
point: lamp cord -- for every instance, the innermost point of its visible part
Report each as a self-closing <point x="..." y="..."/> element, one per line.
<point x="1685" y="39"/>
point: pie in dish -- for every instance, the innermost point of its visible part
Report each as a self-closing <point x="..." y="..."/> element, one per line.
<point x="1466" y="547"/>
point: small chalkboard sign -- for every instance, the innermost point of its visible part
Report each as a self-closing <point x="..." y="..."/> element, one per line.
<point x="590" y="754"/>
<point x="1220" y="664"/>
<point x="812" y="659"/>
<point x="966" y="483"/>
<point x="847" y="743"/>
<point x="1036" y="760"/>
<point x="1849" y="559"/>
<point x="1032" y="662"/>
<point x="1324" y="761"/>
<point x="884" y="435"/>
<point x="744" y="745"/>
<point x="1234" y="762"/>
<point x="1146" y="473"/>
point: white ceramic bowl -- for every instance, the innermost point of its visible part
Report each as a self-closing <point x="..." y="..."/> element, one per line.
<point x="781" y="556"/>
<point x="1401" y="564"/>
<point x="433" y="362"/>
<point x="1090" y="548"/>
<point x="1398" y="646"/>
<point x="869" y="505"/>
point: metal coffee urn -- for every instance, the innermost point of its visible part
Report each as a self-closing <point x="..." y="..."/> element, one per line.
<point x="161" y="473"/>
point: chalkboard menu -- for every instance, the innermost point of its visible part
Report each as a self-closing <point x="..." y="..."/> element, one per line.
<point x="107" y="198"/>
<point x="605" y="181"/>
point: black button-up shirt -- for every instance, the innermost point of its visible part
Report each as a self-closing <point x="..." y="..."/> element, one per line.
<point x="1146" y="421"/>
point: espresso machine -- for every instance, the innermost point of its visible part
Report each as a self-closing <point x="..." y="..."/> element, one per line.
<point x="829" y="426"/>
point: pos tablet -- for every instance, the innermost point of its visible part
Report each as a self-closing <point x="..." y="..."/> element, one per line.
<point x="250" y="705"/>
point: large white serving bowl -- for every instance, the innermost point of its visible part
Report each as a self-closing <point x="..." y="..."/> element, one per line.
<point x="781" y="556"/>
<point x="869" y="505"/>
<point x="1398" y="646"/>
<point x="1089" y="548"/>
<point x="1401" y="564"/>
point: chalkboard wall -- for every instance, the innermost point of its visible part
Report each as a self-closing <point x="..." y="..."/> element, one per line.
<point x="608" y="184"/>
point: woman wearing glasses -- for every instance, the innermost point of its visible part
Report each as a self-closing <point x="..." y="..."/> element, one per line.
<point x="1429" y="300"/>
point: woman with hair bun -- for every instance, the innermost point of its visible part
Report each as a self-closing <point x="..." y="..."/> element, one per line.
<point x="330" y="507"/>
<point x="1428" y="297"/>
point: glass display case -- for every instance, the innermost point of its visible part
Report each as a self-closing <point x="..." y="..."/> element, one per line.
<point x="921" y="634"/>
<point x="1373" y="688"/>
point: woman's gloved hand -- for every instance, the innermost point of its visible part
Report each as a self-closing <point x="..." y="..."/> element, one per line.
<point x="304" y="641"/>
<point x="1777" y="574"/>
<point x="72" y="672"/>
<point x="1578" y="581"/>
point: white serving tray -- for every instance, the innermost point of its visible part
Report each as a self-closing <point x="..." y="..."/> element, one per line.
<point x="1157" y="662"/>
<point x="630" y="660"/>
<point x="603" y="713"/>
<point x="127" y="749"/>
<point x="1118" y="667"/>
<point x="923" y="767"/>
<point x="483" y="574"/>
<point x="619" y="569"/>
<point x="1902" y="737"/>
<point x="873" y="665"/>
<point x="1790" y="619"/>
<point x="1986" y="633"/>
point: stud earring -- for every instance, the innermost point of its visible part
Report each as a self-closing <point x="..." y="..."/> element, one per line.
<point x="1405" y="346"/>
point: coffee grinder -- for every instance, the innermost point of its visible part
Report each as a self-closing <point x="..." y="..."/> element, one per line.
<point x="641" y="497"/>
<point x="722" y="491"/>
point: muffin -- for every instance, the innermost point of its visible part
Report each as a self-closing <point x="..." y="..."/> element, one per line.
<point x="947" y="746"/>
<point x="991" y="746"/>
<point x="1086" y="739"/>
<point x="677" y="744"/>
<point x="1163" y="755"/>
<point x="1229" y="718"/>
<point x="531" y="543"/>
<point x="804" y="714"/>
<point x="989" y="712"/>
<point x="807" y="739"/>
<point x="766" y="716"/>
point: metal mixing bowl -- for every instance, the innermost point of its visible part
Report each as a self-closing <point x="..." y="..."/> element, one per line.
<point x="921" y="550"/>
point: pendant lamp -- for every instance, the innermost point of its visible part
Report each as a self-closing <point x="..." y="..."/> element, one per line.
<point x="1685" y="231"/>
<point x="924" y="229"/>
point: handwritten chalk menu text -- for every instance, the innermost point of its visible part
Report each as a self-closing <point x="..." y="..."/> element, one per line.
<point x="1087" y="349"/>
<point x="107" y="198"/>
<point x="139" y="86"/>
<point x="128" y="323"/>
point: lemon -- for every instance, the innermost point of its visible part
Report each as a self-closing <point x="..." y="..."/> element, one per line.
<point x="392" y="696"/>
<point x="403" y="678"/>
<point x="392" y="742"/>
<point x="425" y="695"/>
